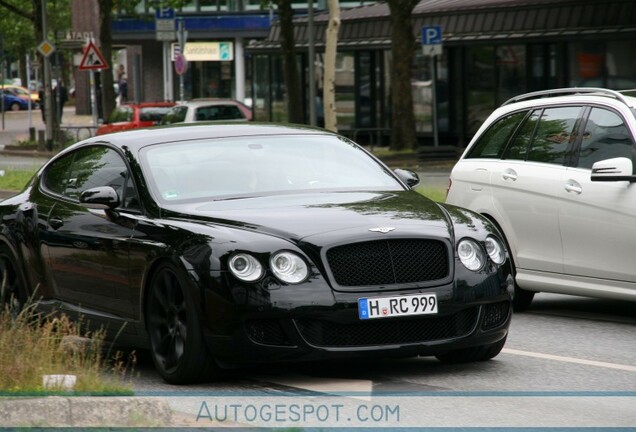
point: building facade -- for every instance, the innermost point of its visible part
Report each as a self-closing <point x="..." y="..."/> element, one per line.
<point x="492" y="50"/>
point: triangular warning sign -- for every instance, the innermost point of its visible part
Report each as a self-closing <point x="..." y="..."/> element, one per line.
<point x="92" y="59"/>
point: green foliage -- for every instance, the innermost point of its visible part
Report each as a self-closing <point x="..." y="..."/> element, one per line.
<point x="16" y="30"/>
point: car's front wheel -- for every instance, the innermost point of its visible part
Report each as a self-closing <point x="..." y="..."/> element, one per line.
<point x="15" y="106"/>
<point x="176" y="339"/>
<point x="473" y="354"/>
<point x="12" y="290"/>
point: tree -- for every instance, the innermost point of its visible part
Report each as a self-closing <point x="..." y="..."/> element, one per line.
<point x="331" y="47"/>
<point x="106" y="39"/>
<point x="290" y="65"/>
<point x="18" y="34"/>
<point x="403" y="52"/>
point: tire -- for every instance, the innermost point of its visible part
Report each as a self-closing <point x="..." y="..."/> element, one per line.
<point x="177" y="347"/>
<point x="473" y="354"/>
<point x="522" y="299"/>
<point x="12" y="288"/>
<point x="15" y="106"/>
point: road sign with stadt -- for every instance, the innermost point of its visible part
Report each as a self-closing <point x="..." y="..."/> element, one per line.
<point x="46" y="48"/>
<point x="92" y="59"/>
<point x="432" y="40"/>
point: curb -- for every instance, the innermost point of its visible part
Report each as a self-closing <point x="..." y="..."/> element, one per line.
<point x="60" y="411"/>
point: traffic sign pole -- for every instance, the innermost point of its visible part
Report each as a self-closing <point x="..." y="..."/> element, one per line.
<point x="182" y="36"/>
<point x="432" y="47"/>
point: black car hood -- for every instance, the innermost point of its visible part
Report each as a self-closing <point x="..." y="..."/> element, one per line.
<point x="302" y="215"/>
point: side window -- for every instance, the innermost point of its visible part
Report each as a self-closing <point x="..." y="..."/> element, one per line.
<point x="56" y="175"/>
<point x="605" y="136"/>
<point x="93" y="167"/>
<point x="493" y="142"/>
<point x="101" y="166"/>
<point x="174" y="115"/>
<point x="554" y="135"/>
<point x="518" y="148"/>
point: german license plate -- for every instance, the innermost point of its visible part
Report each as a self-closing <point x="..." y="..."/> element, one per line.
<point x="385" y="307"/>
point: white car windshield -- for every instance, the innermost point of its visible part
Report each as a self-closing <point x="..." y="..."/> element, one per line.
<point x="259" y="165"/>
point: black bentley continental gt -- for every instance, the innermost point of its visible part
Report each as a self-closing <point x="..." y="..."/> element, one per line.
<point x="224" y="245"/>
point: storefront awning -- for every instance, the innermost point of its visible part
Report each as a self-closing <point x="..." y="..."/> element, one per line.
<point x="465" y="21"/>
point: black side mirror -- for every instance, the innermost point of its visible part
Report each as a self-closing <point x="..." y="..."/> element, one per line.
<point x="408" y="177"/>
<point x="101" y="198"/>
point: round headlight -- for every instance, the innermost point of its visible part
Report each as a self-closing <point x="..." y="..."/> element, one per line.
<point x="246" y="267"/>
<point x="495" y="250"/>
<point x="471" y="255"/>
<point x="289" y="267"/>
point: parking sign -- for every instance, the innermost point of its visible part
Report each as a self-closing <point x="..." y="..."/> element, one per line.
<point x="432" y="35"/>
<point x="432" y="40"/>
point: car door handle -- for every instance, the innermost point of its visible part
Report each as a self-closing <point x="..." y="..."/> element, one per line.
<point x="573" y="186"/>
<point x="56" y="223"/>
<point x="509" y="174"/>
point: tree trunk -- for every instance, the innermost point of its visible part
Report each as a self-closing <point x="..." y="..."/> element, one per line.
<point x="106" y="39"/>
<point x="290" y="68"/>
<point x="329" y="80"/>
<point x="403" y="51"/>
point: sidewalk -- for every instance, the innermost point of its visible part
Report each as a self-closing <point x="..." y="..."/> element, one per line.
<point x="74" y="122"/>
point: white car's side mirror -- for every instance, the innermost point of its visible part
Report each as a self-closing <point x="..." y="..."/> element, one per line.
<point x="616" y="169"/>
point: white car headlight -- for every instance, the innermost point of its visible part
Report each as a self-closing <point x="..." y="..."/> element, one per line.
<point x="246" y="267"/>
<point x="289" y="267"/>
<point x="495" y="250"/>
<point x="471" y="255"/>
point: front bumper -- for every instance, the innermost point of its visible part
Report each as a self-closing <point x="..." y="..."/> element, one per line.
<point x="468" y="315"/>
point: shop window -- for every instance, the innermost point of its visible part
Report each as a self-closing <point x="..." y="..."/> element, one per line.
<point x="510" y="61"/>
<point x="603" y="64"/>
<point x="344" y="87"/>
<point x="480" y="84"/>
<point x="421" y="86"/>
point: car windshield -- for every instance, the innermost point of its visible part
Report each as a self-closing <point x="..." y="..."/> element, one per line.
<point x="154" y="114"/>
<point x="218" y="112"/>
<point x="260" y="165"/>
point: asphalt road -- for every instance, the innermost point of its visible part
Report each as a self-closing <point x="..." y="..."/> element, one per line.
<point x="568" y="361"/>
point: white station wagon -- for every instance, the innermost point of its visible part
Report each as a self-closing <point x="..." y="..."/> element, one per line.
<point x="554" y="170"/>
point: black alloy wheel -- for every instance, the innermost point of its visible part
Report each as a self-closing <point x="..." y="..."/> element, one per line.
<point x="12" y="294"/>
<point x="178" y="350"/>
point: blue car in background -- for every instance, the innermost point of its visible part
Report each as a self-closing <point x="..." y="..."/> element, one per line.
<point x="12" y="102"/>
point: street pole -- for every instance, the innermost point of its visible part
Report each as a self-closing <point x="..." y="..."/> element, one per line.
<point x="434" y="98"/>
<point x="311" y="60"/>
<point x="93" y="97"/>
<point x="182" y="35"/>
<point x="48" y="106"/>
<point x="28" y="86"/>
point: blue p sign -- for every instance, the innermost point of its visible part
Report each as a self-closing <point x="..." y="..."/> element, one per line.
<point x="432" y="35"/>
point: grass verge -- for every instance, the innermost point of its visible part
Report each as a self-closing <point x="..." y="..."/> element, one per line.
<point x="434" y="193"/>
<point x="15" y="180"/>
<point x="32" y="346"/>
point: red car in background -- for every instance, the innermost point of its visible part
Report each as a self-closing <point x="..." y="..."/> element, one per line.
<point x="134" y="116"/>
